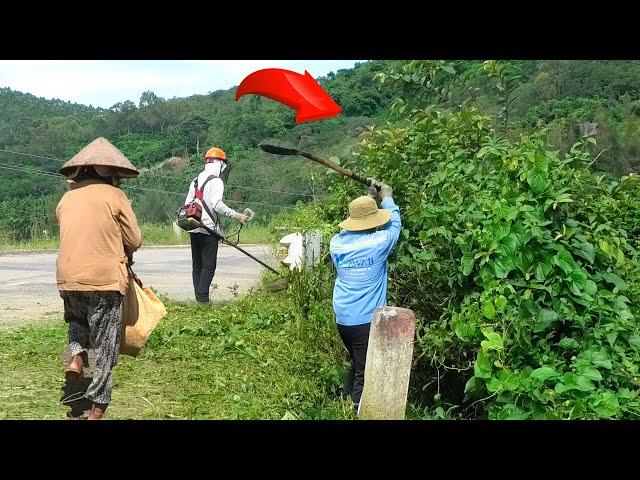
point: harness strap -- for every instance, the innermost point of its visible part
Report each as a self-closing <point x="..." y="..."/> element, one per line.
<point x="199" y="194"/>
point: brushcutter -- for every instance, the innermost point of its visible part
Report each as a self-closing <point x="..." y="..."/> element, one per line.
<point x="225" y="239"/>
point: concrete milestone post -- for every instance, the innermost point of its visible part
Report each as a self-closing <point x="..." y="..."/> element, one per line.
<point x="389" y="355"/>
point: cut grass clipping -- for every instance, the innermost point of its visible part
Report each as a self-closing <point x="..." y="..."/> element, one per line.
<point x="250" y="359"/>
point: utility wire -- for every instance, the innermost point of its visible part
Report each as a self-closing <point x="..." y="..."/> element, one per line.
<point x="148" y="174"/>
<point x="276" y="191"/>
<point x="154" y="174"/>
<point x="183" y="195"/>
<point x="32" y="155"/>
<point x="29" y="170"/>
<point x="241" y="187"/>
<point x="59" y="175"/>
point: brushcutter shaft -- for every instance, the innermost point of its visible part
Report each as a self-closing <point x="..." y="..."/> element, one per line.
<point x="252" y="257"/>
<point x="219" y="236"/>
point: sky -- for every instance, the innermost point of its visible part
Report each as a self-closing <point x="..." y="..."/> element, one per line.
<point x="103" y="83"/>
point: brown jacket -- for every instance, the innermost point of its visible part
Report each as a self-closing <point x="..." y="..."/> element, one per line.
<point x="98" y="231"/>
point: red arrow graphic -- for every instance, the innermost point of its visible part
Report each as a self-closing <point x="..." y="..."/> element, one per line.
<point x="299" y="92"/>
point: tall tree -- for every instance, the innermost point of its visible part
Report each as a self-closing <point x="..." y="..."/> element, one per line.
<point x="194" y="127"/>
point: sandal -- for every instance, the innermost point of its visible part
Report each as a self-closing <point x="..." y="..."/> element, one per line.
<point x="73" y="375"/>
<point x="83" y="416"/>
<point x="97" y="411"/>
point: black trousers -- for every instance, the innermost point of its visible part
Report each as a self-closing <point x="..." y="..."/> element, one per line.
<point x="356" y="339"/>
<point x="204" y="256"/>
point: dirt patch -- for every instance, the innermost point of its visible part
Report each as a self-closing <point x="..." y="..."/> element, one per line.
<point x="24" y="311"/>
<point x="175" y="163"/>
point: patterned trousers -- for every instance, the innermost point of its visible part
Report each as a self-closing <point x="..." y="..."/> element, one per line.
<point x="95" y="321"/>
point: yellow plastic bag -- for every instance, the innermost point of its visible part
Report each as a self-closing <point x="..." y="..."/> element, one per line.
<point x="142" y="311"/>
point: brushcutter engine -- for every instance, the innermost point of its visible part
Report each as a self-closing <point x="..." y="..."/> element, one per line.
<point x="189" y="216"/>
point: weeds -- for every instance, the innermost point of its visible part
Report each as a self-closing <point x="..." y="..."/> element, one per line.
<point x="247" y="359"/>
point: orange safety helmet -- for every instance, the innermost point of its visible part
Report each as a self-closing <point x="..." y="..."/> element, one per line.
<point x="215" y="153"/>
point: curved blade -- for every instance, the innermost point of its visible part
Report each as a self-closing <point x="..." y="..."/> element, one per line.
<point x="278" y="150"/>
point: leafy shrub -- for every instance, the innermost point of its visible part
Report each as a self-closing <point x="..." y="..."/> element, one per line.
<point x="513" y="257"/>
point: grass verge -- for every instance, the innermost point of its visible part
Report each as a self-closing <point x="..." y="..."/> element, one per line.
<point x="248" y="359"/>
<point x="152" y="234"/>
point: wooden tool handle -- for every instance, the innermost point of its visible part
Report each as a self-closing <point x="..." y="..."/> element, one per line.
<point x="347" y="173"/>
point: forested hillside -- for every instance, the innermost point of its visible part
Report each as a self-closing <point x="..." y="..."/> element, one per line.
<point x="38" y="134"/>
<point x="518" y="191"/>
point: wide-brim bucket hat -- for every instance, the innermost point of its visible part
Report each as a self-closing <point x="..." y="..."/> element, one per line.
<point x="102" y="153"/>
<point x="364" y="214"/>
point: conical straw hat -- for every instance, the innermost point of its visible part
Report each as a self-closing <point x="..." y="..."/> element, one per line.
<point x="100" y="152"/>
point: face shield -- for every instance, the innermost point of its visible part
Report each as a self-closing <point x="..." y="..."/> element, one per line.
<point x="224" y="172"/>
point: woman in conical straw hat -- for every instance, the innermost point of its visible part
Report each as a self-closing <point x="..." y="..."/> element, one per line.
<point x="98" y="235"/>
<point x="360" y="253"/>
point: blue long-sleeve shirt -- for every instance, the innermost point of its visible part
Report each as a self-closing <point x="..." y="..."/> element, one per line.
<point x="361" y="261"/>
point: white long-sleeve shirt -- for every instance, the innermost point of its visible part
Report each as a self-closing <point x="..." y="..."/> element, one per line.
<point x="212" y="193"/>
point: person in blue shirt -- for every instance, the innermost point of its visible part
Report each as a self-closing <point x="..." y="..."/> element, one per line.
<point x="359" y="253"/>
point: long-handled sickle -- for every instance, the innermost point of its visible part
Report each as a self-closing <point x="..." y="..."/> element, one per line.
<point x="278" y="150"/>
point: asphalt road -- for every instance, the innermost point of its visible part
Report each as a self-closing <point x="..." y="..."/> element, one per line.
<point x="28" y="289"/>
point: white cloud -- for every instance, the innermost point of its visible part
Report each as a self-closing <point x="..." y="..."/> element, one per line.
<point x="106" y="82"/>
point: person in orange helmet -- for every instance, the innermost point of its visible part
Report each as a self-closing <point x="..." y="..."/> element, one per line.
<point x="207" y="189"/>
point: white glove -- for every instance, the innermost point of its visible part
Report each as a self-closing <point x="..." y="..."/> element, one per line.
<point x="386" y="191"/>
<point x="241" y="218"/>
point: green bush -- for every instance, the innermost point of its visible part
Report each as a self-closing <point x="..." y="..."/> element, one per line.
<point x="518" y="267"/>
